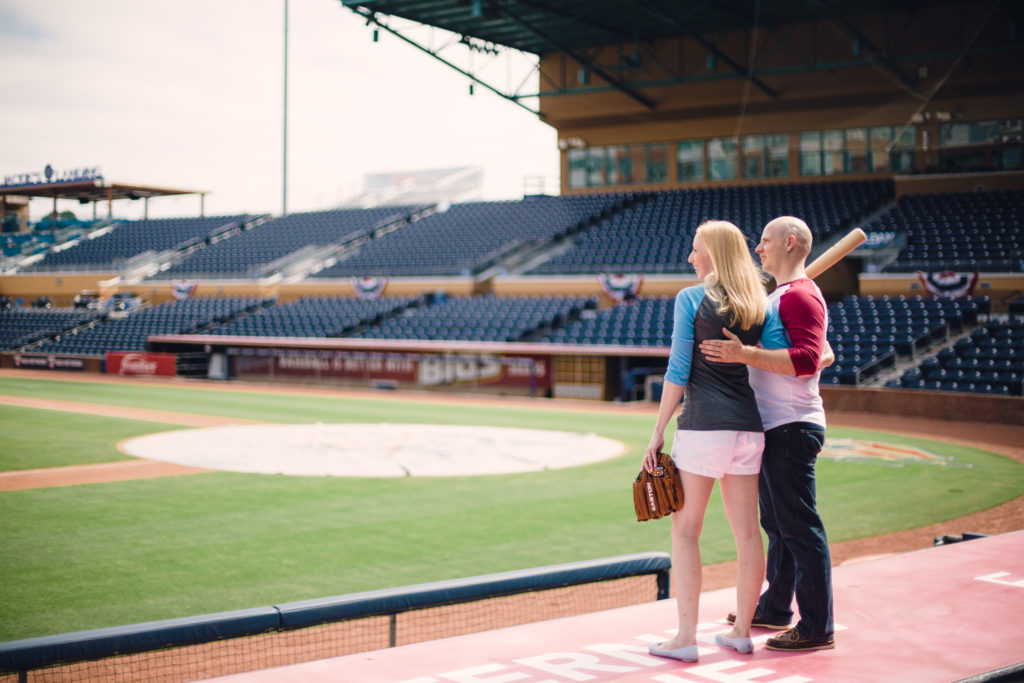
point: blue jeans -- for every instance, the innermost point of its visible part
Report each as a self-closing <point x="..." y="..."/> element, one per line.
<point x="798" y="557"/>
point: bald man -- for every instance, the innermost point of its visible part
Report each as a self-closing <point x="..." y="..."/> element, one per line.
<point x="785" y="383"/>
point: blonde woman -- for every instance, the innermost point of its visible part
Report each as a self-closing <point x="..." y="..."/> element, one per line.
<point x="719" y="434"/>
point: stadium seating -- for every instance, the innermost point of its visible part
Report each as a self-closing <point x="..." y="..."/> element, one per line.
<point x="614" y="232"/>
<point x="130" y="238"/>
<point x="314" y="317"/>
<point x="644" y="321"/>
<point x="248" y="254"/>
<point x="644" y="233"/>
<point x="22" y="326"/>
<point x="469" y="238"/>
<point x="482" y="318"/>
<point x="131" y="332"/>
<point x="989" y="360"/>
<point x="56" y="225"/>
<point x="867" y="333"/>
<point x="974" y="231"/>
<point x="28" y="243"/>
<point x="655" y="234"/>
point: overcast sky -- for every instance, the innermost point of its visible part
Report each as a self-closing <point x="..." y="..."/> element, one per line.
<point x="189" y="94"/>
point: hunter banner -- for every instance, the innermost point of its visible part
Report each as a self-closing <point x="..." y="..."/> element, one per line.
<point x="141" y="363"/>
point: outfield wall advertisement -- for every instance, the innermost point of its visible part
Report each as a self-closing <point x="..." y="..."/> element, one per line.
<point x="529" y="374"/>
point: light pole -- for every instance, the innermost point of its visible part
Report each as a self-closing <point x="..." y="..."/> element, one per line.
<point x="284" y="152"/>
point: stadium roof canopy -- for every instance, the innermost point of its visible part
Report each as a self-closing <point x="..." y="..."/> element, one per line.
<point x="542" y="27"/>
<point x="94" y="191"/>
<point x="575" y="28"/>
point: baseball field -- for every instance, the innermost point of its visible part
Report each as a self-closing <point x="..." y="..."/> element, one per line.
<point x="127" y="549"/>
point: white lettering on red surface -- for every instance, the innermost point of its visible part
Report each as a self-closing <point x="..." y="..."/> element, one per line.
<point x="471" y="675"/>
<point x="137" y="364"/>
<point x="571" y="665"/>
<point x="998" y="578"/>
<point x="583" y="666"/>
<point x="303" y="363"/>
<point x="720" y="671"/>
<point x="451" y="369"/>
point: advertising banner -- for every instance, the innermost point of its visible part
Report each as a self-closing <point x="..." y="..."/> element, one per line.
<point x="140" y="363"/>
<point x="426" y="370"/>
<point x="48" y="362"/>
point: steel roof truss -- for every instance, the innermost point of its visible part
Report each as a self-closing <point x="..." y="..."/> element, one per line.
<point x="575" y="18"/>
<point x="582" y="59"/>
<point x="708" y="45"/>
<point x="371" y="18"/>
<point x="851" y="31"/>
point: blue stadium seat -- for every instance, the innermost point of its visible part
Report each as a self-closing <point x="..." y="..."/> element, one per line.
<point x="972" y="231"/>
<point x="988" y="360"/>
<point x="126" y="239"/>
<point x="251" y="253"/>
<point x="654" y="235"/>
<point x="130" y="333"/>
<point x="469" y="238"/>
<point x="21" y="326"/>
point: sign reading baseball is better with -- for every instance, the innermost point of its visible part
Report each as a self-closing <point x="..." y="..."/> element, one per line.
<point x="425" y="370"/>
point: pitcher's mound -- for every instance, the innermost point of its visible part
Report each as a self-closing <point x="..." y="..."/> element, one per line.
<point x="374" y="450"/>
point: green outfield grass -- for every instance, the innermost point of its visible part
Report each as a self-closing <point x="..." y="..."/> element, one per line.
<point x="21" y="447"/>
<point x="89" y="556"/>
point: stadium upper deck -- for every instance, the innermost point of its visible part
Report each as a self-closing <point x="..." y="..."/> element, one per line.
<point x="645" y="233"/>
<point x="601" y="233"/>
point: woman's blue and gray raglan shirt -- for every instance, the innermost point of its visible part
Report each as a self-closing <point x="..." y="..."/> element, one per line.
<point x="718" y="395"/>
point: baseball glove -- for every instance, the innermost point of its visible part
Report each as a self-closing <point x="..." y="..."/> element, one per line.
<point x="659" y="493"/>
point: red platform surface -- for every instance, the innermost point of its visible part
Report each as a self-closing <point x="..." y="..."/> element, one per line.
<point x="941" y="614"/>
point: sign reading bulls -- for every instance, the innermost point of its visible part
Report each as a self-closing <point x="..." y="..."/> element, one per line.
<point x="48" y="362"/>
<point x="140" y="363"/>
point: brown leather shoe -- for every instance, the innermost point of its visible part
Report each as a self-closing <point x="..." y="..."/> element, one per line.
<point x="793" y="641"/>
<point x="758" y="622"/>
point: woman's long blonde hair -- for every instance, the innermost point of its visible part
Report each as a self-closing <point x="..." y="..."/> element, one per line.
<point x="735" y="285"/>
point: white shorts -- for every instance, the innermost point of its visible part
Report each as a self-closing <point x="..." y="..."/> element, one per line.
<point x="716" y="453"/>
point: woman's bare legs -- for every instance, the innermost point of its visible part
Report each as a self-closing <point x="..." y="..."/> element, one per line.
<point x="686" y="571"/>
<point x="739" y="493"/>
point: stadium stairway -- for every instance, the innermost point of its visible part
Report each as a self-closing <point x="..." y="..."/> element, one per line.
<point x="537" y="254"/>
<point x="297" y="267"/>
<point x="989" y="359"/>
<point x="904" y="363"/>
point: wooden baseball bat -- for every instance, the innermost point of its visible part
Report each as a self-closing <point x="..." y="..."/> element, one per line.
<point x="836" y="252"/>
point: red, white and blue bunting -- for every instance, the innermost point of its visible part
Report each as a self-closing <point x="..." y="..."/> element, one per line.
<point x="369" y="287"/>
<point x="620" y="287"/>
<point x="183" y="289"/>
<point x="948" y="283"/>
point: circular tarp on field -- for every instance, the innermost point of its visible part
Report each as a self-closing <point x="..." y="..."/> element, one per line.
<point x="374" y="450"/>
